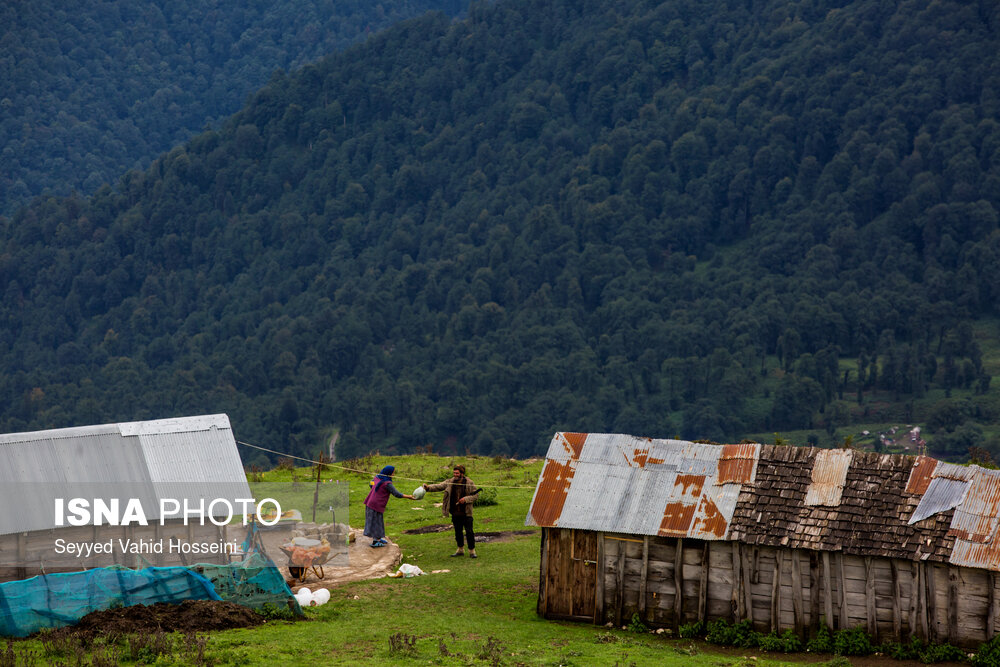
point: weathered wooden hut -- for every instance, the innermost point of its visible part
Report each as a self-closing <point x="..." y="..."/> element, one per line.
<point x="189" y="458"/>
<point x="786" y="537"/>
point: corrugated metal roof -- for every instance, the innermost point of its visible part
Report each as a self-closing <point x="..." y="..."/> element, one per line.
<point x="855" y="501"/>
<point x="920" y="475"/>
<point x="188" y="457"/>
<point x="976" y="518"/>
<point x="828" y="476"/>
<point x="945" y="489"/>
<point x="623" y="484"/>
<point x="975" y="522"/>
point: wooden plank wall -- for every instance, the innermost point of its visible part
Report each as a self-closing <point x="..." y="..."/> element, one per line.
<point x="777" y="589"/>
<point x="37" y="547"/>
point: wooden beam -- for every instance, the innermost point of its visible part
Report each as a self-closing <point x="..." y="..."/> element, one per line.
<point x="749" y="576"/>
<point x="953" y="602"/>
<point x="643" y="574"/>
<point x="543" y="577"/>
<point x="599" y="584"/>
<point x="736" y="596"/>
<point x="678" y="583"/>
<point x="991" y="605"/>
<point x="930" y="603"/>
<point x="915" y="607"/>
<point x="776" y="591"/>
<point x="813" y="592"/>
<point x="827" y="592"/>
<point x="703" y="584"/>
<point x="843" y="618"/>
<point x="620" y="581"/>
<point x="798" y="619"/>
<point x="871" y="620"/>
<point x="897" y="594"/>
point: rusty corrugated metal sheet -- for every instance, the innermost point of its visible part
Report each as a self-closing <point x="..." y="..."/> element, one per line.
<point x="975" y="522"/>
<point x="624" y="484"/>
<point x="945" y="490"/>
<point x="738" y="463"/>
<point x="828" y="476"/>
<point x="976" y="518"/>
<point x="920" y="475"/>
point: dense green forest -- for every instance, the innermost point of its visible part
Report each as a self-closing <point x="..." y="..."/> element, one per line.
<point x="695" y="218"/>
<point x="92" y="89"/>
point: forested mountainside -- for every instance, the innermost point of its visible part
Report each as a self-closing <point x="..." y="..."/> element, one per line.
<point x="696" y="218"/>
<point x="92" y="89"/>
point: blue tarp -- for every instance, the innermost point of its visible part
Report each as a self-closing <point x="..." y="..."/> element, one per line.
<point x="56" y="600"/>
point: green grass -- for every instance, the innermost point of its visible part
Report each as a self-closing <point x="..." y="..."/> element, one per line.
<point x="482" y="612"/>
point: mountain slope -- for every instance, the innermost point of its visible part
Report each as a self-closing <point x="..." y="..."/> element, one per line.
<point x="90" y="91"/>
<point x="696" y="218"/>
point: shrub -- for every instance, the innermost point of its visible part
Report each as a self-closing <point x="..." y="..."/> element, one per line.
<point x="988" y="653"/>
<point x="691" y="630"/>
<point x="486" y="497"/>
<point x="852" y="642"/>
<point x="636" y="625"/>
<point x="822" y="642"/>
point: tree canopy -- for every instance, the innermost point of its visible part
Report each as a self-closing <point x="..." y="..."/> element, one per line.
<point x="699" y="218"/>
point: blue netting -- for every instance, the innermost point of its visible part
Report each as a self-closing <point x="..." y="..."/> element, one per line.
<point x="56" y="600"/>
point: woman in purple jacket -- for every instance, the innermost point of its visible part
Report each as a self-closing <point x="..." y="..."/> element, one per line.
<point x="375" y="504"/>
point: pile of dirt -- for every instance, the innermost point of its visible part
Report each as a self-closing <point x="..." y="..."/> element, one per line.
<point x="188" y="616"/>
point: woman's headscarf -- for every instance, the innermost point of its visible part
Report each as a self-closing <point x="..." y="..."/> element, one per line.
<point x="383" y="477"/>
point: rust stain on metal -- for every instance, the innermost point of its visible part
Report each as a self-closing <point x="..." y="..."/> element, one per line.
<point x="920" y="475"/>
<point x="575" y="442"/>
<point x="695" y="482"/>
<point x="975" y="519"/>
<point x="642" y="457"/>
<point x="736" y="463"/>
<point x="677" y="519"/>
<point x="551" y="493"/>
<point x="710" y="521"/>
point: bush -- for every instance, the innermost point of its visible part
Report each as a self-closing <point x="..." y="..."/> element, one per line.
<point x="740" y="634"/>
<point x="852" y="642"/>
<point x="691" y="630"/>
<point x="988" y="654"/>
<point x="486" y="497"/>
<point x="822" y="642"/>
<point x="636" y="625"/>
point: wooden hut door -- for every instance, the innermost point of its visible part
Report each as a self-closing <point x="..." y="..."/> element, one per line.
<point x="584" y="558"/>
<point x="570" y="573"/>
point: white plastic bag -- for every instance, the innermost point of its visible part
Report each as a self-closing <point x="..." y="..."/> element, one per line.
<point x="408" y="571"/>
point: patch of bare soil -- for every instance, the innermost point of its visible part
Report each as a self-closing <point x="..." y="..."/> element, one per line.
<point x="492" y="536"/>
<point x="187" y="617"/>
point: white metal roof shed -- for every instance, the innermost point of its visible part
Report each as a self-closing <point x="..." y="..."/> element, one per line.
<point x="186" y="456"/>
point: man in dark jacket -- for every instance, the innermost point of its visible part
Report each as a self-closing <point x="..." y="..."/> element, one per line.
<point x="459" y="494"/>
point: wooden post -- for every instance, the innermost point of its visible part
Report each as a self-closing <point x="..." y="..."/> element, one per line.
<point x="736" y="597"/>
<point x="620" y="581"/>
<point x="644" y="573"/>
<point x="872" y="622"/>
<point x="953" y="601"/>
<point x="678" y="583"/>
<point x="931" y="602"/>
<point x="991" y="614"/>
<point x="922" y="600"/>
<point x="827" y="591"/>
<point x="897" y="593"/>
<point x="797" y="612"/>
<point x="749" y="576"/>
<point x="703" y="584"/>
<point x="599" y="584"/>
<point x="915" y="607"/>
<point x="843" y="619"/>
<point x="813" y="592"/>
<point x="543" y="577"/>
<point x="776" y="591"/>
